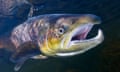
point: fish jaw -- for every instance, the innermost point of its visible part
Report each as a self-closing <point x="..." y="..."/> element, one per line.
<point x="81" y="46"/>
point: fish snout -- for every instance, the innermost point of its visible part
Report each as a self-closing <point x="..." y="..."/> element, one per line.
<point x="88" y="18"/>
<point x="94" y="18"/>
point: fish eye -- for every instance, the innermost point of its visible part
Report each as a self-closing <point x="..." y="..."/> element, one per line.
<point x="61" y="30"/>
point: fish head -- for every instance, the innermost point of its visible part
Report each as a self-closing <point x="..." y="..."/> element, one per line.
<point x="67" y="34"/>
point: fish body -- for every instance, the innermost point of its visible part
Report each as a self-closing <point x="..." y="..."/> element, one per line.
<point x="52" y="35"/>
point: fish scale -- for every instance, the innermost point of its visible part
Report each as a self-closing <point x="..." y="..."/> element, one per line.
<point x="28" y="31"/>
<point x="21" y="34"/>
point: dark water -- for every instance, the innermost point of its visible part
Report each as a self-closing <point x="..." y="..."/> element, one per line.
<point x="103" y="58"/>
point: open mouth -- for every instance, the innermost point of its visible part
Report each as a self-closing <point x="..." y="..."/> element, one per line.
<point x="79" y="35"/>
<point x="81" y="32"/>
<point x="78" y="43"/>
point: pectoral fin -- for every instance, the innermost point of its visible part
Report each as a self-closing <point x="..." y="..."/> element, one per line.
<point x="19" y="65"/>
<point x="23" y="53"/>
<point x="39" y="57"/>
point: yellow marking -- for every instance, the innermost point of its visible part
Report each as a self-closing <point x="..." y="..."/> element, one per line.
<point x="51" y="46"/>
<point x="83" y="20"/>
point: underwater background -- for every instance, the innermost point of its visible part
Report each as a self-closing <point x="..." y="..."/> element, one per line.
<point x="103" y="58"/>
